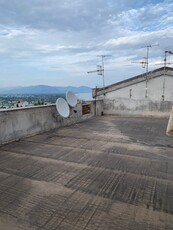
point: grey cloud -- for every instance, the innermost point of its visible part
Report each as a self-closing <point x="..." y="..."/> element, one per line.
<point x="58" y="14"/>
<point x="66" y="34"/>
<point x="98" y="18"/>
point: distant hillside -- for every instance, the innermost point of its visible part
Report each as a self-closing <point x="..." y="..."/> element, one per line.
<point x="44" y="89"/>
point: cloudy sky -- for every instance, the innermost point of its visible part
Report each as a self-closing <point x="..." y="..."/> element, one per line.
<point x="56" y="42"/>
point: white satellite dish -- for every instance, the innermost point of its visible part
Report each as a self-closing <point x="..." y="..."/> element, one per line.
<point x="62" y="107"/>
<point x="71" y="99"/>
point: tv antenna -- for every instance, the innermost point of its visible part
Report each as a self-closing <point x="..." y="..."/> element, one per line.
<point x="99" y="71"/>
<point x="147" y="57"/>
<point x="147" y="65"/>
<point x="165" y="63"/>
<point x="167" y="52"/>
<point x="144" y="62"/>
<point x="103" y="70"/>
<point x="100" y="68"/>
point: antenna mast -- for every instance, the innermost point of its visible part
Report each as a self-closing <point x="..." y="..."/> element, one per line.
<point x="164" y="84"/>
<point x="167" y="52"/>
<point x="100" y="68"/>
<point x="103" y="70"/>
<point x="147" y="57"/>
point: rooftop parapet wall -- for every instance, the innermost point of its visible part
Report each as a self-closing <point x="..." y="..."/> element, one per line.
<point x="22" y="122"/>
<point x="146" y="107"/>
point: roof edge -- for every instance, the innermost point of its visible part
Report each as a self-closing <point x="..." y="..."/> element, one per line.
<point x="140" y="77"/>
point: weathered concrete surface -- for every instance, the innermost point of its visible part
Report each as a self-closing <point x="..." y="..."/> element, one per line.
<point x="22" y="122"/>
<point x="143" y="107"/>
<point x="104" y="173"/>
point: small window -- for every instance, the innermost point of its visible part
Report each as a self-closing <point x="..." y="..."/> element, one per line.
<point x="130" y="93"/>
<point x="146" y="92"/>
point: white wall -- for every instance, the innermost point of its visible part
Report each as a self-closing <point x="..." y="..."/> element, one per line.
<point x="169" y="89"/>
<point x="138" y="90"/>
<point x="133" y="97"/>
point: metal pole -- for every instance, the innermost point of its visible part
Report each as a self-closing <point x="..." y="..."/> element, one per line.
<point x="147" y="58"/>
<point x="147" y="63"/>
<point x="103" y="71"/>
<point x="166" y="52"/>
<point x="163" y="95"/>
<point x="95" y="101"/>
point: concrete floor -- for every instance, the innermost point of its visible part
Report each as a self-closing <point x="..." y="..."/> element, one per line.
<point x="105" y="173"/>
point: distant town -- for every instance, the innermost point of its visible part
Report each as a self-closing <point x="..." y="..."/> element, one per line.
<point x="14" y="101"/>
<point x="35" y="95"/>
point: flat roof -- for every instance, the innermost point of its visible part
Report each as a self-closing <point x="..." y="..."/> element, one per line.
<point x="105" y="173"/>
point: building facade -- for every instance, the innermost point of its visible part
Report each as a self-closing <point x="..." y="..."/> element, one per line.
<point x="141" y="94"/>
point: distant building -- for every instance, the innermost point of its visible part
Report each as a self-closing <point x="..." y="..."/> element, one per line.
<point x="21" y="103"/>
<point x="139" y="94"/>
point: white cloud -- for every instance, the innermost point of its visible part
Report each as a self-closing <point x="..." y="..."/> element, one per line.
<point x="64" y="37"/>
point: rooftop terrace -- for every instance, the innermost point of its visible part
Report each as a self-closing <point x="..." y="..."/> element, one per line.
<point x="104" y="173"/>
